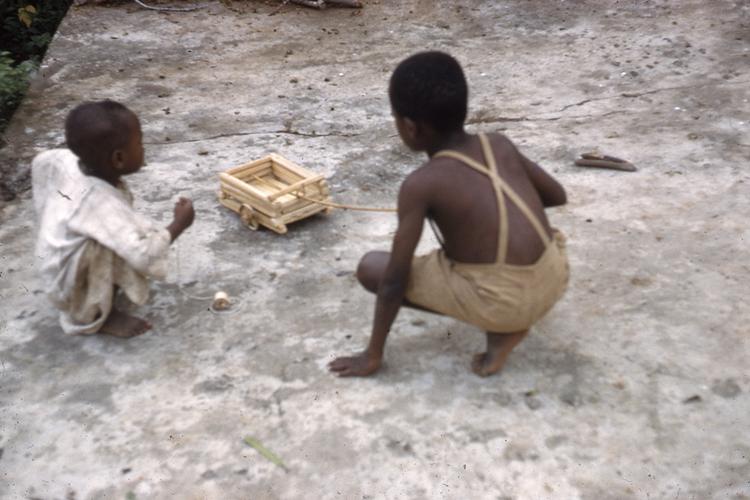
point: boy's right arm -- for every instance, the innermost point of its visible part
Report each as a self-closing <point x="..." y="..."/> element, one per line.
<point x="112" y="222"/>
<point x="183" y="218"/>
<point x="550" y="191"/>
<point x="412" y="208"/>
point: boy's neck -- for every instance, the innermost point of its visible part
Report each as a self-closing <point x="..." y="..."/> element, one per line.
<point x="110" y="176"/>
<point x="454" y="139"/>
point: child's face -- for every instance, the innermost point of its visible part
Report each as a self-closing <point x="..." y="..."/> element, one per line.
<point x="130" y="159"/>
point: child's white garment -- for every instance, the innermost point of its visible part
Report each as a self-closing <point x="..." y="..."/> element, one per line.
<point x="91" y="240"/>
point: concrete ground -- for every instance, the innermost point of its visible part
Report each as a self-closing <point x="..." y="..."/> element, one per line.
<point x="635" y="386"/>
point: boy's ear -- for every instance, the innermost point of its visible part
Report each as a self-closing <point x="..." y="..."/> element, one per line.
<point x="118" y="159"/>
<point x="411" y="128"/>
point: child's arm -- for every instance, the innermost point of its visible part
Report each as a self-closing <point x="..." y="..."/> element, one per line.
<point x="183" y="217"/>
<point x="412" y="208"/>
<point x="550" y="191"/>
<point x="138" y="240"/>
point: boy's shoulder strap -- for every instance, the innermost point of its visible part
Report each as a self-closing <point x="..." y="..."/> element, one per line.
<point x="470" y="162"/>
<point x="497" y="183"/>
<point x="489" y="157"/>
<point x="502" y="188"/>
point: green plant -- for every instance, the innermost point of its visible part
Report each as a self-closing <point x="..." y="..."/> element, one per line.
<point x="26" y="15"/>
<point x="14" y="79"/>
<point x="26" y="28"/>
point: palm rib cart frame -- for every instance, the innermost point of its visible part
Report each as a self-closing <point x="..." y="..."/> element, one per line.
<point x="273" y="192"/>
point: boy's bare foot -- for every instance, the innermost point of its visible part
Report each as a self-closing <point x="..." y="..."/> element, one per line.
<point x="359" y="365"/>
<point x="123" y="325"/>
<point x="499" y="346"/>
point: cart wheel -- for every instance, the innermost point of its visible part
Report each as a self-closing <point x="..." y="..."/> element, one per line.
<point x="278" y="226"/>
<point x="247" y="214"/>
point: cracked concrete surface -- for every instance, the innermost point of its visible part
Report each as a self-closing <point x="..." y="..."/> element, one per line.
<point x="635" y="386"/>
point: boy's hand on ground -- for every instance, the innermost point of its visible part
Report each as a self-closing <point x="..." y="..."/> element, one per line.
<point x="360" y="365"/>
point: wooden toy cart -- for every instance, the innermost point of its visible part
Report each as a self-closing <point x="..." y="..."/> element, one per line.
<point x="273" y="192"/>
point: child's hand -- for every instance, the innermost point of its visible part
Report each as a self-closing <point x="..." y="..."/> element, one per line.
<point x="184" y="213"/>
<point x="183" y="217"/>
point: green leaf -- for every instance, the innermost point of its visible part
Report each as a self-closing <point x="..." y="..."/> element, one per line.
<point x="265" y="452"/>
<point x="26" y="15"/>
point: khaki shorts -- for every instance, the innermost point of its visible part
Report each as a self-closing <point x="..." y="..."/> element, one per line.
<point x="497" y="297"/>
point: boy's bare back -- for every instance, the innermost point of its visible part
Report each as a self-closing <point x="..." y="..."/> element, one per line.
<point x="463" y="204"/>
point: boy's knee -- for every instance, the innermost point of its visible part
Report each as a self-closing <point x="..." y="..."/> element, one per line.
<point x="367" y="270"/>
<point x="363" y="269"/>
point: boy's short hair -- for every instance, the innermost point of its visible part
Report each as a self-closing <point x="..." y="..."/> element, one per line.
<point x="94" y="130"/>
<point x="430" y="87"/>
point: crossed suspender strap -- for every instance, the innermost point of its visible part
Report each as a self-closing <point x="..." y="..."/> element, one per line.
<point x="501" y="187"/>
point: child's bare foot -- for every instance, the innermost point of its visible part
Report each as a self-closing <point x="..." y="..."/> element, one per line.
<point x="123" y="325"/>
<point x="499" y="346"/>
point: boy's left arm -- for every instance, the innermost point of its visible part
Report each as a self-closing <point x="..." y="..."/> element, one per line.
<point x="412" y="209"/>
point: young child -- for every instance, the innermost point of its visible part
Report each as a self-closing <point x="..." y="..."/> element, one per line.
<point x="501" y="266"/>
<point x="91" y="242"/>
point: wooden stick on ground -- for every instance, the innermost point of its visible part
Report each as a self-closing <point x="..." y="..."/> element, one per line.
<point x="597" y="160"/>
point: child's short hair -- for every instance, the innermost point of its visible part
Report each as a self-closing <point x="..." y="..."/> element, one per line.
<point x="93" y="130"/>
<point x="430" y="87"/>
